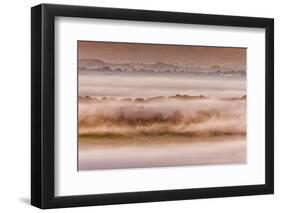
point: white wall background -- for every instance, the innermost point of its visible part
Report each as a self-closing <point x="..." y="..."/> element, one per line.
<point x="15" y="105"/>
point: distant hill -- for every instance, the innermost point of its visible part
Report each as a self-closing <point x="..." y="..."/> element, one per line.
<point x="156" y="98"/>
<point x="97" y="65"/>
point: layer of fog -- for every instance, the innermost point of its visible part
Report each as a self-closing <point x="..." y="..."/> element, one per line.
<point x="159" y="151"/>
<point x="148" y="85"/>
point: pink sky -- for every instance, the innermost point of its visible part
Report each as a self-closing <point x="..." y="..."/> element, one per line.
<point x="150" y="53"/>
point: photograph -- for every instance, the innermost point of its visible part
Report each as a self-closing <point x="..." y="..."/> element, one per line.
<point x="160" y="105"/>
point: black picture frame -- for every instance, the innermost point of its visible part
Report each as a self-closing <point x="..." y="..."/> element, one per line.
<point x="43" y="102"/>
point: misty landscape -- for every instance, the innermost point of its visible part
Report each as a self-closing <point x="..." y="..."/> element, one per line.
<point x="143" y="107"/>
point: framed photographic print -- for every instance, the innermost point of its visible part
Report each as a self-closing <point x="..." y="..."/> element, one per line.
<point x="139" y="106"/>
